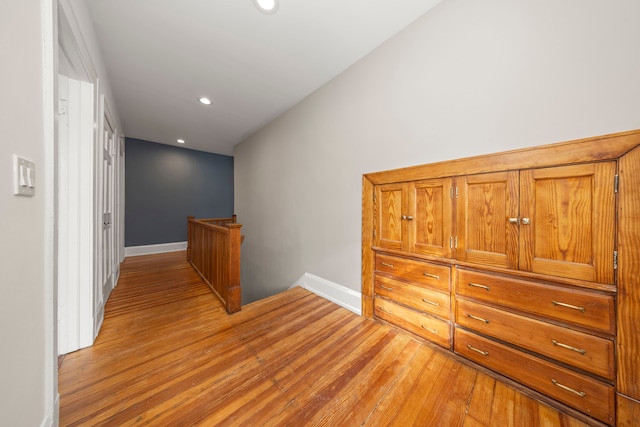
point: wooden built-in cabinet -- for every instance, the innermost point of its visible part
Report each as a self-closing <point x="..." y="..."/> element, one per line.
<point x="415" y="216"/>
<point x="415" y="295"/>
<point x="526" y="262"/>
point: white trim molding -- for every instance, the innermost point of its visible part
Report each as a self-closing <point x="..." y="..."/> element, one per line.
<point x="155" y="249"/>
<point x="343" y="296"/>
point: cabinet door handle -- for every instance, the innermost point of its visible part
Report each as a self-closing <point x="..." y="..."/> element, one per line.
<point x="568" y="347"/>
<point x="478" y="318"/>
<point x="384" y="264"/>
<point x="409" y="218"/>
<point x="573" y="307"/>
<point x="403" y="217"/>
<point x="430" y="302"/>
<point x="569" y="389"/>
<point x="513" y="220"/>
<point x="384" y="310"/>
<point x="386" y="288"/>
<point x="525" y="221"/>
<point x="475" y="285"/>
<point x="477" y="350"/>
<point x="433" y="331"/>
<point x="433" y="276"/>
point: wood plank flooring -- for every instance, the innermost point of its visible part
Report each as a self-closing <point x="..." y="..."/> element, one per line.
<point x="169" y="355"/>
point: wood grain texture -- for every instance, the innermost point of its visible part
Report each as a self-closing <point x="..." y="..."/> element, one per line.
<point x="431" y="207"/>
<point x="538" y="299"/>
<point x="628" y="411"/>
<point x="596" y="399"/>
<point x="628" y="307"/>
<point x="391" y="230"/>
<point x="213" y="248"/>
<point x="484" y="233"/>
<point x="169" y="355"/>
<point x="368" y="212"/>
<point x="605" y="147"/>
<point x="585" y="351"/>
<point x="572" y="221"/>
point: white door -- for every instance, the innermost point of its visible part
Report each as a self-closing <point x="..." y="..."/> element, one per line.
<point x="75" y="210"/>
<point x="107" y="210"/>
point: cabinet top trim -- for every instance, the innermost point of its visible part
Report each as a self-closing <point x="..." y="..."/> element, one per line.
<point x="599" y="148"/>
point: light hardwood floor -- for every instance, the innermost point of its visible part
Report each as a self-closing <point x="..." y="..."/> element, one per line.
<point x="169" y="355"/>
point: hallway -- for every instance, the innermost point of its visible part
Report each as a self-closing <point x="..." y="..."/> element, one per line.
<point x="168" y="354"/>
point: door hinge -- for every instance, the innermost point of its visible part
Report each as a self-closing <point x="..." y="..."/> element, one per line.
<point x="374" y="197"/>
<point x="453" y="242"/>
<point x="62" y="107"/>
<point x="615" y="260"/>
<point x="374" y="234"/>
<point x="453" y="193"/>
<point x="616" y="183"/>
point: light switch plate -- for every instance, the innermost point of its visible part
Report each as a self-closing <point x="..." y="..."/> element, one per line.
<point x="24" y="177"/>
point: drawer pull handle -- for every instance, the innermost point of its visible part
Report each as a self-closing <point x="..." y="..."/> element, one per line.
<point x="568" y="347"/>
<point x="478" y="318"/>
<point x="386" y="288"/>
<point x="433" y="331"/>
<point x="433" y="276"/>
<point x="475" y="285"/>
<point x="384" y="310"/>
<point x="387" y="264"/>
<point x="430" y="302"/>
<point x="574" y="307"/>
<point x="477" y="350"/>
<point x="569" y="389"/>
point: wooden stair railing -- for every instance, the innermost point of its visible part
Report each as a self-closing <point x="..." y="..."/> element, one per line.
<point x="213" y="249"/>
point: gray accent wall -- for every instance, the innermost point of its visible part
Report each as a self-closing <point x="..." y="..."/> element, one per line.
<point x="165" y="184"/>
<point x="465" y="79"/>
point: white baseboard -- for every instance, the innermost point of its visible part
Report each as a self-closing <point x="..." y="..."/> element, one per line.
<point x="344" y="297"/>
<point x="154" y="249"/>
<point x="48" y="422"/>
<point x="52" y="419"/>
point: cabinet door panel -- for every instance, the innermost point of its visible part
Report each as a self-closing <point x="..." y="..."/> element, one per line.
<point x="388" y="221"/>
<point x="571" y="221"/>
<point x="485" y="205"/>
<point x="431" y="227"/>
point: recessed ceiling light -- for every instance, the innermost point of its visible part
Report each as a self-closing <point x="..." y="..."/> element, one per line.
<point x="181" y="141"/>
<point x="204" y="100"/>
<point x="266" y="6"/>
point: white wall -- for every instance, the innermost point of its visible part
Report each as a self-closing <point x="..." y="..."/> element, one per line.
<point x="469" y="77"/>
<point x="23" y="333"/>
<point x="28" y="294"/>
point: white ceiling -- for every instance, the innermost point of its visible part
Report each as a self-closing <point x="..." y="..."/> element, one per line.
<point x="161" y="55"/>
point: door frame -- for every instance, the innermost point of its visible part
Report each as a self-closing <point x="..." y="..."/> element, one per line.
<point x="76" y="305"/>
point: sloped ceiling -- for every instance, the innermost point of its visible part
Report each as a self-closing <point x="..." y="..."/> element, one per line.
<point x="161" y="55"/>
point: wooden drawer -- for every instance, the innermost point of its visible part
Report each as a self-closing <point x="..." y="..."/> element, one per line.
<point x="434" y="275"/>
<point x="584" y="351"/>
<point x="584" y="308"/>
<point x="579" y="391"/>
<point x="428" y="327"/>
<point x="424" y="299"/>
